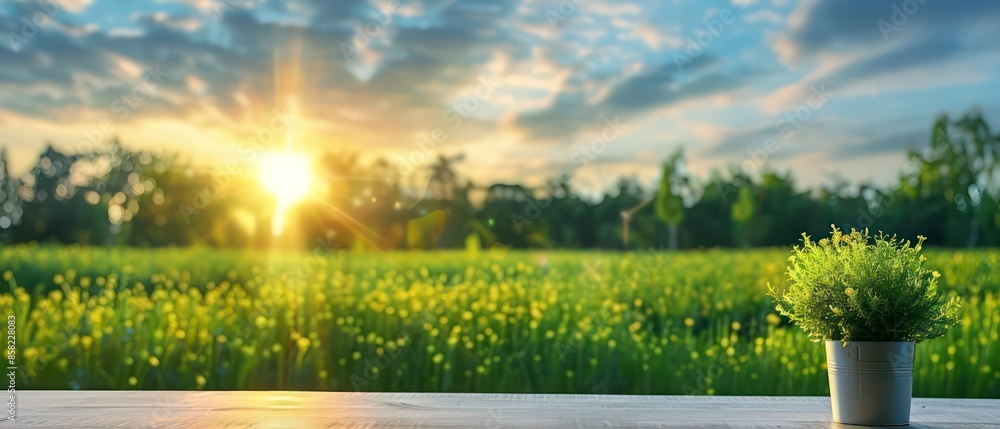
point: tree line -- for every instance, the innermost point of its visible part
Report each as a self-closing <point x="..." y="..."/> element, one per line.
<point x="948" y="191"/>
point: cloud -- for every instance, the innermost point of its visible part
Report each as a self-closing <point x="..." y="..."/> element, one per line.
<point x="415" y="75"/>
<point x="75" y="6"/>
<point x="879" y="145"/>
<point x="162" y="20"/>
<point x="846" y="26"/>
<point x="873" y="48"/>
<point x="655" y="87"/>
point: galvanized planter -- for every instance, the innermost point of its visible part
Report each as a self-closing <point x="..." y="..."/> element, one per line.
<point x="871" y="383"/>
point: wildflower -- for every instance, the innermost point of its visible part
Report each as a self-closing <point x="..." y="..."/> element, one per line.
<point x="773" y="319"/>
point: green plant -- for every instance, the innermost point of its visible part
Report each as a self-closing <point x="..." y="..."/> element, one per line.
<point x="853" y="287"/>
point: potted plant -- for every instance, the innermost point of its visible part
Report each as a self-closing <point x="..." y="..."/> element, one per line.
<point x="871" y="300"/>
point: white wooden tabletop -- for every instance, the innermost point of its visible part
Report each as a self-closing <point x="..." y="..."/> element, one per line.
<point x="132" y="409"/>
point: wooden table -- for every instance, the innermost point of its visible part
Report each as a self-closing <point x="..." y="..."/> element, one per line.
<point x="131" y="409"/>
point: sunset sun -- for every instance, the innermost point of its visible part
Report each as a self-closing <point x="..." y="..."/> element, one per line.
<point x="288" y="177"/>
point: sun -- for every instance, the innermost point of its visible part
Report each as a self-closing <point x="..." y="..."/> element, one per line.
<point x="288" y="177"/>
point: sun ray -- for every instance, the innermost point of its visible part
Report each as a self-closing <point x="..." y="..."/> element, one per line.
<point x="362" y="231"/>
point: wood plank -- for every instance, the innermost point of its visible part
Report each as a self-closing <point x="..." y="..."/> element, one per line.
<point x="130" y="409"/>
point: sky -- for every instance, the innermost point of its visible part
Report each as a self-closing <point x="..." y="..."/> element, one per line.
<point x="525" y="89"/>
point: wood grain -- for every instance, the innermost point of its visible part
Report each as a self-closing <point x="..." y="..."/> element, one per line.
<point x="152" y="409"/>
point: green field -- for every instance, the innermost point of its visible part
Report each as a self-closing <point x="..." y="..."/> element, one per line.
<point x="496" y="321"/>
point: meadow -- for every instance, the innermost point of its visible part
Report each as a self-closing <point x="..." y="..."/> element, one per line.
<point x="695" y="322"/>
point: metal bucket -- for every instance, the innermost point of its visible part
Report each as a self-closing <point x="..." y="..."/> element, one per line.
<point x="871" y="383"/>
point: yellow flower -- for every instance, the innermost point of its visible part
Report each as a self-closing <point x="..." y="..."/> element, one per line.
<point x="773" y="319"/>
<point x="303" y="344"/>
<point x="154" y="361"/>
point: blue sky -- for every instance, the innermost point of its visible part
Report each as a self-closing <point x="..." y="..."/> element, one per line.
<point x="524" y="88"/>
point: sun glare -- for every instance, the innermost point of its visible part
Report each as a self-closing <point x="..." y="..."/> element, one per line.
<point x="288" y="177"/>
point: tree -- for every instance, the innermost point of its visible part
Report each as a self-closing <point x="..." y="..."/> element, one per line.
<point x="669" y="198"/>
<point x="742" y="213"/>
<point x="963" y="167"/>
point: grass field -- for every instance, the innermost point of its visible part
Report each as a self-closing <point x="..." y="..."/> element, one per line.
<point x="494" y="321"/>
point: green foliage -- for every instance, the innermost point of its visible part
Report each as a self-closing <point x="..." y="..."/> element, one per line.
<point x="742" y="214"/>
<point x="744" y="207"/>
<point x="853" y="287"/>
<point x="669" y="204"/>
